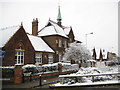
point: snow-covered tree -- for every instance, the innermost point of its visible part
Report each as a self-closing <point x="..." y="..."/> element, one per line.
<point x="76" y="52"/>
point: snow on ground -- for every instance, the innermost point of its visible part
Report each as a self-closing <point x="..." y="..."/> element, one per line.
<point x="88" y="83"/>
<point x="100" y="68"/>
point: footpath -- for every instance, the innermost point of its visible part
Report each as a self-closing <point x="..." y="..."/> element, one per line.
<point x="32" y="84"/>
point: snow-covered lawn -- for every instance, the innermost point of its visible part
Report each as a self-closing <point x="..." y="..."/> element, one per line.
<point x="98" y="73"/>
<point x="86" y="84"/>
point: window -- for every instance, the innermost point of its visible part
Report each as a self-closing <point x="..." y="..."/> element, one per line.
<point x="60" y="43"/>
<point x="50" y="58"/>
<point x="38" y="58"/>
<point x="19" y="57"/>
<point x="60" y="57"/>
<point x="70" y="39"/>
<point x="56" y="41"/>
<point x="65" y="44"/>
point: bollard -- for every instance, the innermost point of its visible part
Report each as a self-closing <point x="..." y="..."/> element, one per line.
<point x="30" y="77"/>
<point x="93" y="79"/>
<point x="40" y="83"/>
<point x="23" y="78"/>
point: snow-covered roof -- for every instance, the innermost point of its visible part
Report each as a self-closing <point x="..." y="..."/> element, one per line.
<point x="104" y="54"/>
<point x="67" y="30"/>
<point x="39" y="44"/>
<point x="7" y="33"/>
<point x="52" y="29"/>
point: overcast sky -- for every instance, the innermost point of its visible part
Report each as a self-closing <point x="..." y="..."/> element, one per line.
<point x="85" y="16"/>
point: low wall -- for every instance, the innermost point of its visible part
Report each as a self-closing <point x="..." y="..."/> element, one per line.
<point x="29" y="78"/>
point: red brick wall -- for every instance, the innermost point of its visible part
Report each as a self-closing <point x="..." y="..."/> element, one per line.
<point x="19" y="37"/>
<point x="51" y="41"/>
<point x="18" y="74"/>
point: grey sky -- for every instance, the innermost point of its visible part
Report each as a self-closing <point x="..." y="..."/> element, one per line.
<point x="85" y="16"/>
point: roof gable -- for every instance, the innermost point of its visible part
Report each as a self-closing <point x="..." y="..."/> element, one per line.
<point x="104" y="53"/>
<point x="7" y="33"/>
<point x="38" y="44"/>
<point x="52" y="28"/>
<point x="67" y="30"/>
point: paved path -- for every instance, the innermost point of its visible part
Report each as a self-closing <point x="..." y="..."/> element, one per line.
<point x="33" y="84"/>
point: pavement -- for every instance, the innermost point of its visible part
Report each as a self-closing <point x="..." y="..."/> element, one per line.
<point x="33" y="84"/>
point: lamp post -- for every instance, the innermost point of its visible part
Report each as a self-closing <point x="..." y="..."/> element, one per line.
<point x="86" y="37"/>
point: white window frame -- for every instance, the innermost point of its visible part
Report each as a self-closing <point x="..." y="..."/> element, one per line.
<point x="38" y="58"/>
<point x="19" y="57"/>
<point x="60" y="43"/>
<point x="50" y="58"/>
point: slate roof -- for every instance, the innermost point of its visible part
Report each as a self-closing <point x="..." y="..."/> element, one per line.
<point x="7" y="33"/>
<point x="38" y="44"/>
<point x="52" y="28"/>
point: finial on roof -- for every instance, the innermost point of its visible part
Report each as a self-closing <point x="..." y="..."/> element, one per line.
<point x="59" y="18"/>
<point x="49" y="18"/>
<point x="21" y="24"/>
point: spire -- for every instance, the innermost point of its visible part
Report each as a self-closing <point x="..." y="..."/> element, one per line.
<point x="59" y="18"/>
<point x="21" y="24"/>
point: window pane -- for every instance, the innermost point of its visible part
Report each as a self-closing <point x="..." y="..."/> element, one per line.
<point x="18" y="53"/>
<point x="21" y="60"/>
<point x="18" y="61"/>
<point x="15" y="57"/>
<point x="21" y="53"/>
<point x="19" y="57"/>
<point x="50" y="58"/>
<point x="38" y="58"/>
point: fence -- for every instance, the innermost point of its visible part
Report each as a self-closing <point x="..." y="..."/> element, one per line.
<point x="71" y="79"/>
<point x="70" y="67"/>
<point x="30" y="72"/>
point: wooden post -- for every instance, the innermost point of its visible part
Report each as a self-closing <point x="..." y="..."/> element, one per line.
<point x="92" y="78"/>
<point x="18" y="74"/>
<point x="30" y="77"/>
<point x="60" y="68"/>
<point x="23" y="80"/>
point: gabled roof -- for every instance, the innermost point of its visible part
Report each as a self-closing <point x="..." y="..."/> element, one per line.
<point x="7" y="33"/>
<point x="38" y="44"/>
<point x="52" y="28"/>
<point x="67" y="30"/>
<point x="104" y="53"/>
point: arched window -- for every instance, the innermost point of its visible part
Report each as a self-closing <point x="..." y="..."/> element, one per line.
<point x="19" y="54"/>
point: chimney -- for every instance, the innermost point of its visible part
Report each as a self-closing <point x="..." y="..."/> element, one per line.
<point x="35" y="27"/>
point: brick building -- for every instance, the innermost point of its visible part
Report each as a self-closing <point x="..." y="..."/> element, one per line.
<point x="41" y="47"/>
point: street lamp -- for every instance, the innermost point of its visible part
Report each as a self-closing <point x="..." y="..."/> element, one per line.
<point x="86" y="37"/>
